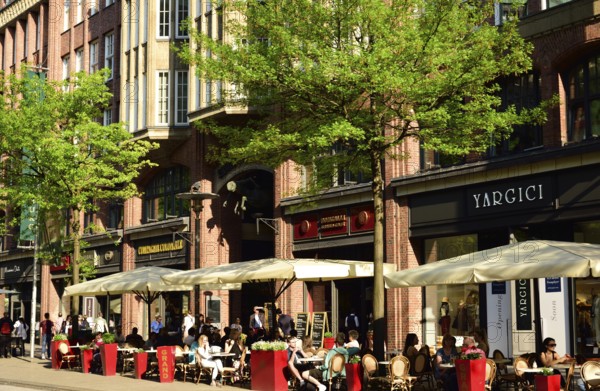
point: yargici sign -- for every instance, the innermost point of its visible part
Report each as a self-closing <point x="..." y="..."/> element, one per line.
<point x="510" y="196"/>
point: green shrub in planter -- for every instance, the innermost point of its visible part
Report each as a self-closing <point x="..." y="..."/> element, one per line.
<point x="328" y="334"/>
<point x="60" y="337"/>
<point x="269" y="346"/>
<point x="354" y="359"/>
<point x="108" y="338"/>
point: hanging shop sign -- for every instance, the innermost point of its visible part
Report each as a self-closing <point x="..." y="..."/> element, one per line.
<point x="334" y="222"/>
<point x="156" y="248"/>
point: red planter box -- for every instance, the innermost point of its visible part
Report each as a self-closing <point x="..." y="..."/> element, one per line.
<point x="547" y="383"/>
<point x="166" y="363"/>
<point x="328" y="342"/>
<point x="268" y="370"/>
<point x="108" y="355"/>
<point x="54" y="356"/>
<point x="354" y="377"/>
<point x="86" y="360"/>
<point x="470" y="374"/>
<point x="140" y="364"/>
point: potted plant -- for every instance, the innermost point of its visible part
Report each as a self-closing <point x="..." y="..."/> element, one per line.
<point x="353" y="374"/>
<point x="54" y="344"/>
<point x="328" y="340"/>
<point x="140" y="363"/>
<point x="547" y="380"/>
<point x="87" y="354"/>
<point x="470" y="369"/>
<point x="268" y="362"/>
<point x="108" y="354"/>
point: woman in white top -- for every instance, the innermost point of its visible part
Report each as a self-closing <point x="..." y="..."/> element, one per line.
<point x="21" y="330"/>
<point x="207" y="361"/>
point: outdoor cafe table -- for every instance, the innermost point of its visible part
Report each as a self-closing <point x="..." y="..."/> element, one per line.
<point x="311" y="359"/>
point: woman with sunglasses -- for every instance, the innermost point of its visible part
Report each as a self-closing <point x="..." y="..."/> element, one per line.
<point x="549" y="357"/>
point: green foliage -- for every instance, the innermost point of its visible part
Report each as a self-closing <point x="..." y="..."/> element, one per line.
<point x="108" y="338"/>
<point x="547" y="371"/>
<point x="328" y="334"/>
<point x="60" y="337"/>
<point x="269" y="346"/>
<point x="354" y="359"/>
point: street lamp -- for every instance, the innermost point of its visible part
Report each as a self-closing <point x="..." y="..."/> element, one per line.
<point x="196" y="198"/>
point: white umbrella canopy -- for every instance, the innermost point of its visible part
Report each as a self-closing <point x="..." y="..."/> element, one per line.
<point x="523" y="260"/>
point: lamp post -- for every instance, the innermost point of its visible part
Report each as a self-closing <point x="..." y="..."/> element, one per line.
<point x="196" y="197"/>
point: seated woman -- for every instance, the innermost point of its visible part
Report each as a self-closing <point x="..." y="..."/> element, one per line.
<point x="410" y="343"/>
<point x="480" y="337"/>
<point x="445" y="355"/>
<point x="96" y="365"/>
<point x="207" y="361"/>
<point x="307" y="346"/>
<point x="548" y="357"/>
<point x="235" y="345"/>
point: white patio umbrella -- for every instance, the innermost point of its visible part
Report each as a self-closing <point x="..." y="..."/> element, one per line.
<point x="523" y="260"/>
<point x="276" y="269"/>
<point x="145" y="282"/>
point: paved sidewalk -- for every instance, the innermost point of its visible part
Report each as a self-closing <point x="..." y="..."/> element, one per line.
<point x="37" y="373"/>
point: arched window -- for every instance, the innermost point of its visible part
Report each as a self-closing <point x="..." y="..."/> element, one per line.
<point x="583" y="97"/>
<point x="160" y="202"/>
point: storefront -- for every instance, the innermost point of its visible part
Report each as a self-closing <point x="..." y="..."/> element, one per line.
<point x="486" y="205"/>
<point x="16" y="275"/>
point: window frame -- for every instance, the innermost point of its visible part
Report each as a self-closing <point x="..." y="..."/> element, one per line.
<point x="109" y="53"/>
<point x="181" y="99"/>
<point x="93" y="55"/>
<point x="163" y="100"/>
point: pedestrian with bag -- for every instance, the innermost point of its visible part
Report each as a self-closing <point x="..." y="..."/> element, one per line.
<point x="46" y="335"/>
<point x="6" y="329"/>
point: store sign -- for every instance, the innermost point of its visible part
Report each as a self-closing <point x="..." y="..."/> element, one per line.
<point x="524" y="307"/>
<point x="155" y="249"/>
<point x="63" y="263"/>
<point x="510" y="196"/>
<point x="553" y="284"/>
<point x="334" y="222"/>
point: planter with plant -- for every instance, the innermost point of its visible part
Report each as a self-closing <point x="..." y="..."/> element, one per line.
<point x="54" y="345"/>
<point x="140" y="363"/>
<point x="547" y="380"/>
<point x="328" y="340"/>
<point x="470" y="369"/>
<point x="108" y="354"/>
<point x="353" y="374"/>
<point x="268" y="362"/>
<point x="87" y="354"/>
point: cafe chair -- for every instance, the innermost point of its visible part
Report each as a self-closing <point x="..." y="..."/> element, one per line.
<point x="490" y="373"/>
<point x="371" y="371"/>
<point x="422" y="369"/>
<point x="499" y="357"/>
<point x="67" y="356"/>
<point x="202" y="371"/>
<point x="234" y="373"/>
<point x="322" y="352"/>
<point x="516" y="379"/>
<point x="590" y="374"/>
<point x="127" y="356"/>
<point x="570" y="375"/>
<point x="399" y="378"/>
<point x="335" y="368"/>
<point x="182" y="363"/>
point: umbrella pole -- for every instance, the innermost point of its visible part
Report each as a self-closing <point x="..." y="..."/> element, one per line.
<point x="148" y="302"/>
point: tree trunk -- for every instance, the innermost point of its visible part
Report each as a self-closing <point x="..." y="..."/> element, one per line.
<point x="379" y="328"/>
<point x="75" y="261"/>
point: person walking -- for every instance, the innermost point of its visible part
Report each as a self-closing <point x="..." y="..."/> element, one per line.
<point x="47" y="332"/>
<point x="6" y="329"/>
<point x="156" y="324"/>
<point x="188" y="323"/>
<point x="21" y="331"/>
<point x="100" y="325"/>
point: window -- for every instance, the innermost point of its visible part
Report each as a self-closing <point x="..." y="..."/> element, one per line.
<point x="109" y="53"/>
<point x="38" y="32"/>
<point x="507" y="10"/>
<point x="115" y="216"/>
<point x="142" y="96"/>
<point x="164" y="19"/>
<point x="93" y="57"/>
<point x="79" y="16"/>
<point x="183" y="11"/>
<point x="109" y="2"/>
<point x="25" y="39"/>
<point x="107" y="117"/>
<point x="583" y="97"/>
<point x="93" y="7"/>
<point x="66" y="14"/>
<point x="160" y="201"/>
<point x="65" y="72"/>
<point x="163" y="97"/>
<point x="181" y="97"/>
<point x="522" y="92"/>
<point x="79" y="60"/>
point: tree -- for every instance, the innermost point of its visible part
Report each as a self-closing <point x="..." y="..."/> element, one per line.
<point x="340" y="85"/>
<point x="56" y="154"/>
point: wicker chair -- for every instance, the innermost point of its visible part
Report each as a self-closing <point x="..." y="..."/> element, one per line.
<point x="233" y="373"/>
<point x="335" y="367"/>
<point x="589" y="374"/>
<point x="422" y="369"/>
<point x="370" y="371"/>
<point x="570" y="374"/>
<point x="67" y="356"/>
<point x="399" y="378"/>
<point x="490" y="373"/>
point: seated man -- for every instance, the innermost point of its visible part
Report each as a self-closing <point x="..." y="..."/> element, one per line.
<point x="338" y="349"/>
<point x="134" y="339"/>
<point x="353" y="347"/>
<point x="301" y="371"/>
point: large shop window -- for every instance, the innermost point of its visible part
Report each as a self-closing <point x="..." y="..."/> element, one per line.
<point x="583" y="94"/>
<point x="450" y="309"/>
<point x="160" y="201"/>
<point x="587" y="296"/>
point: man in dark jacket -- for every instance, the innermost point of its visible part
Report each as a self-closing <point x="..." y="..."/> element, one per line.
<point x="6" y="328"/>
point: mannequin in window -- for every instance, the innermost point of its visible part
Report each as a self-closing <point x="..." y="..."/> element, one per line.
<point x="596" y="317"/>
<point x="472" y="311"/>
<point x="460" y="321"/>
<point x="445" y="316"/>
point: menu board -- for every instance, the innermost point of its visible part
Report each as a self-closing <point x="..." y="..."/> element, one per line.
<point x="302" y="324"/>
<point x="319" y="326"/>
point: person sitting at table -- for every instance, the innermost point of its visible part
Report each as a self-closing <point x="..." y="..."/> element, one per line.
<point x="480" y="337"/>
<point x="207" y="361"/>
<point x="548" y="357"/>
<point x="191" y="337"/>
<point x="235" y="346"/>
<point x="445" y="355"/>
<point x="96" y="364"/>
<point x="352" y="346"/>
<point x="301" y="371"/>
<point x="337" y="349"/>
<point x="134" y="339"/>
<point x="307" y="346"/>
<point x="410" y="343"/>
